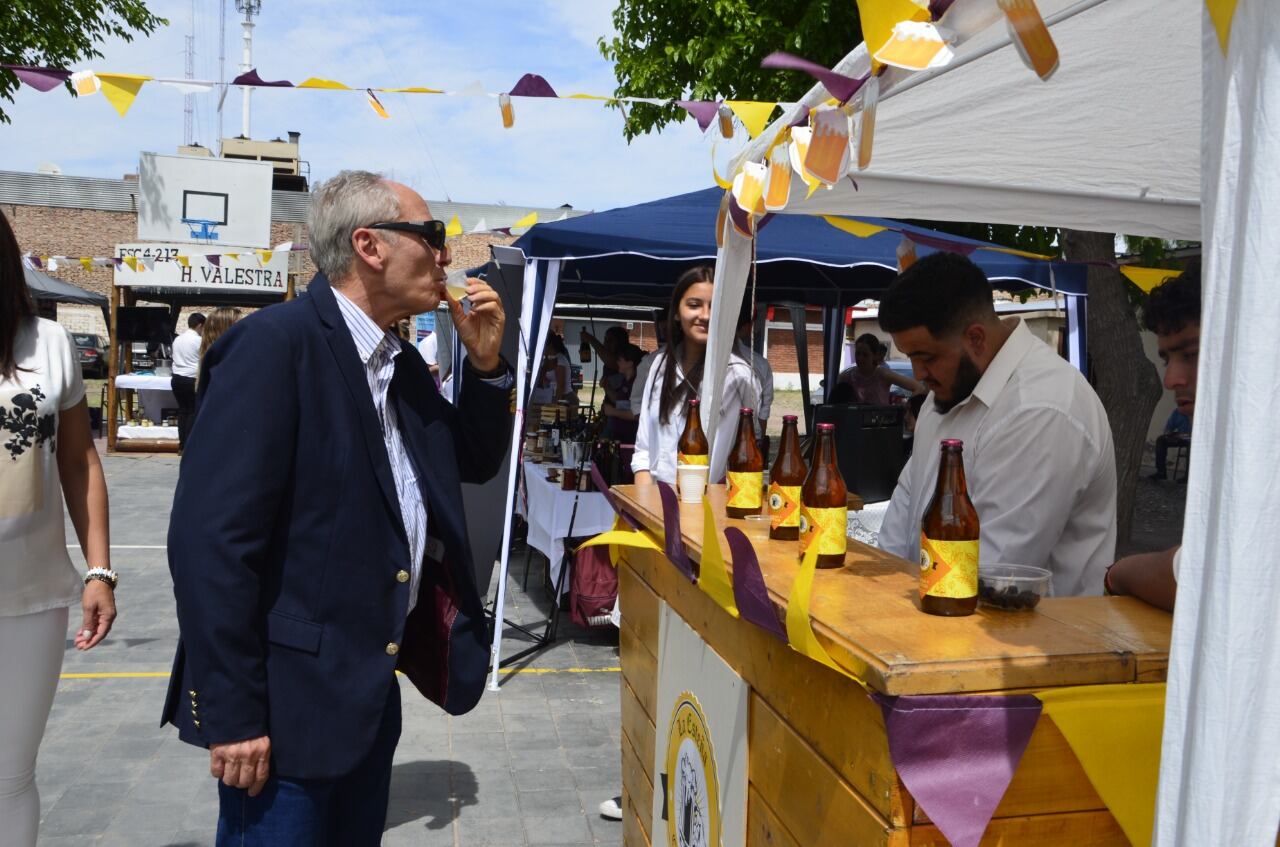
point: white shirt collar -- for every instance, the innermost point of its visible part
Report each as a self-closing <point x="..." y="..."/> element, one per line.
<point x="366" y="334"/>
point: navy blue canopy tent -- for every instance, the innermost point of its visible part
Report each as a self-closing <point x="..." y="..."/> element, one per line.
<point x="635" y="253"/>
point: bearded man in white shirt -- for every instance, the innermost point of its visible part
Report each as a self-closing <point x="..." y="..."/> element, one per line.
<point x="1038" y="454"/>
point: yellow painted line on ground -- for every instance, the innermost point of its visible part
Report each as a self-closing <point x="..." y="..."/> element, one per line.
<point x="165" y="674"/>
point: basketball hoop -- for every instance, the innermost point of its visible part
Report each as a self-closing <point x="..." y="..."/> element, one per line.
<point x="205" y="230"/>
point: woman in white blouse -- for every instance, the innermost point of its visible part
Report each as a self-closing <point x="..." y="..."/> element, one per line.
<point x="46" y="455"/>
<point x="673" y="379"/>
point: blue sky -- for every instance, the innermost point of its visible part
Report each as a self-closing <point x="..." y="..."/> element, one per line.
<point x="558" y="152"/>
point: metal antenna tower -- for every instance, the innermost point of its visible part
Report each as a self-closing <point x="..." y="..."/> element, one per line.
<point x="189" y="102"/>
<point x="222" y="63"/>
<point x="249" y="8"/>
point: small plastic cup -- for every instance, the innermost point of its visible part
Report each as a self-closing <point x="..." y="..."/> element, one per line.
<point x="1013" y="588"/>
<point x="758" y="527"/>
<point x="692" y="480"/>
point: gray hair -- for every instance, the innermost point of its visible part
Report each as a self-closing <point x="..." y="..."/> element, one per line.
<point x="339" y="206"/>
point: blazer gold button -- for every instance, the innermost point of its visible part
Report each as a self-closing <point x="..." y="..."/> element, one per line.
<point x="393" y="648"/>
<point x="402" y="576"/>
<point x="196" y="724"/>
<point x="193" y="694"/>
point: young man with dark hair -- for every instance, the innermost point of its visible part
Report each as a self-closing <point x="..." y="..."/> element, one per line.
<point x="186" y="364"/>
<point x="1173" y="314"/>
<point x="1038" y="454"/>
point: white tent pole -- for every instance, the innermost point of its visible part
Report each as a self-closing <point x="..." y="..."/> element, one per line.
<point x="532" y="302"/>
<point x="732" y="268"/>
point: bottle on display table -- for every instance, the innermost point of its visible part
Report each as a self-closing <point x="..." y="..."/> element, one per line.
<point x="745" y="470"/>
<point x="692" y="448"/>
<point x="584" y="351"/>
<point x="949" y="535"/>
<point x="786" y="478"/>
<point x="824" y="504"/>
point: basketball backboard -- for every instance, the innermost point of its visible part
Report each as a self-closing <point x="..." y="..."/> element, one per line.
<point x="200" y="200"/>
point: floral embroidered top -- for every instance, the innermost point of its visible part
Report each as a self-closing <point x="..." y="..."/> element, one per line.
<point x="35" y="571"/>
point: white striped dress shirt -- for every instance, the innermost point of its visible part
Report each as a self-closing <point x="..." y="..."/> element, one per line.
<point x="378" y="349"/>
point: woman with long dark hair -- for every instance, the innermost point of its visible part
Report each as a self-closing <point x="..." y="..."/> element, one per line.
<point x="869" y="381"/>
<point x="676" y="376"/>
<point x="47" y="456"/>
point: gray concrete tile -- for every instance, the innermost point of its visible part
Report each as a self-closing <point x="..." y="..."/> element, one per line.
<point x="542" y="831"/>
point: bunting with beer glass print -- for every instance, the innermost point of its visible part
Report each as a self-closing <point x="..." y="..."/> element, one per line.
<point x="693" y="449"/>
<point x="824" y="504"/>
<point x="786" y="478"/>
<point x="746" y="470"/>
<point x="949" y="541"/>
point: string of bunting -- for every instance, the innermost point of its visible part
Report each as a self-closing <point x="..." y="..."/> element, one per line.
<point x="121" y="90"/>
<point x="956" y="754"/>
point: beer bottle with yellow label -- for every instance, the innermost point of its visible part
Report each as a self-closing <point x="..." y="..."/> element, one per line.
<point x="949" y="541"/>
<point x="824" y="504"/>
<point x="786" y="478"/>
<point x="746" y="470"/>
<point x="692" y="448"/>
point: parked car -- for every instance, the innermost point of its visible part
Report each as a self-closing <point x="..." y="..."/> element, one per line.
<point x="140" y="359"/>
<point x="92" y="352"/>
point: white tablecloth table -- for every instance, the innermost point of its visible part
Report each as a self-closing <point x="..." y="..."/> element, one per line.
<point x="547" y="510"/>
<point x="158" y="433"/>
<point x="155" y="393"/>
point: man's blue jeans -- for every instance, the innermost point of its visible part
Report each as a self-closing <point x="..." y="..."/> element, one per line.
<point x="350" y="811"/>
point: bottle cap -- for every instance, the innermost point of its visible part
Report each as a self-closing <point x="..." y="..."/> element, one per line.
<point x="694" y="402"/>
<point x="746" y="410"/>
<point x="953" y="443"/>
<point x="826" y="427"/>
<point x="789" y="419"/>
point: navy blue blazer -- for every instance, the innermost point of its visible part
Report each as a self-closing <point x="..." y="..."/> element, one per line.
<point x="288" y="552"/>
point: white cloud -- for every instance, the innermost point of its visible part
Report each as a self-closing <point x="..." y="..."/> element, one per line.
<point x="557" y="152"/>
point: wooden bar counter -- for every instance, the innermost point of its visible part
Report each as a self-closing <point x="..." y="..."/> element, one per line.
<point x="818" y="766"/>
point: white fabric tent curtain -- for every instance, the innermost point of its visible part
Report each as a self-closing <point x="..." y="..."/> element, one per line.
<point x="1220" y="770"/>
<point x="538" y="298"/>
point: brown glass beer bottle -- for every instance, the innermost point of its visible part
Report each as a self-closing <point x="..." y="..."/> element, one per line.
<point x="786" y="478"/>
<point x="949" y="541"/>
<point x="824" y="504"/>
<point x="746" y="470"/>
<point x="692" y="448"/>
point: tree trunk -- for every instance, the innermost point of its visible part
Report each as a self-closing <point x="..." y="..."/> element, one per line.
<point x="1126" y="381"/>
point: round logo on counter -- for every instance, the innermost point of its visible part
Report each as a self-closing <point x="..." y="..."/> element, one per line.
<point x="693" y="785"/>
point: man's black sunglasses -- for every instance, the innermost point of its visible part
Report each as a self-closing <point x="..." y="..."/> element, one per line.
<point x="432" y="232"/>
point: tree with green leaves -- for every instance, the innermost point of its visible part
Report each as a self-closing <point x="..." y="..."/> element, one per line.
<point x="59" y="35"/>
<point x="712" y="49"/>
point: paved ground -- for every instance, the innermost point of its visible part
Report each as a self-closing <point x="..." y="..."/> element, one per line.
<point x="528" y="767"/>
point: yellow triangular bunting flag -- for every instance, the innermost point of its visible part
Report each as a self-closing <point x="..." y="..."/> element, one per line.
<point x="413" y="89"/>
<point x="527" y="221"/>
<point x="375" y="104"/>
<point x="86" y="262"/>
<point x="132" y="262"/>
<point x="264" y="257"/>
<point x="1148" y="278"/>
<point x="317" y="82"/>
<point x="185" y="261"/>
<point x="454" y="227"/>
<point x="235" y="257"/>
<point x="858" y="228"/>
<point x="799" y="628"/>
<point x="121" y="89"/>
<point x="1115" y="732"/>
<point x="713" y="578"/>
<point x="1221" y="12"/>
<point x="754" y="115"/>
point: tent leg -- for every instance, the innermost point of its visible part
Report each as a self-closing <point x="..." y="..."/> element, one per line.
<point x="113" y="367"/>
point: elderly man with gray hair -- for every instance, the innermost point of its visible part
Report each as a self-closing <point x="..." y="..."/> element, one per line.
<point x="317" y="540"/>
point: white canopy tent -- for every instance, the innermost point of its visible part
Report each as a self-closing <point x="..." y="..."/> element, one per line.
<point x="1111" y="143"/>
